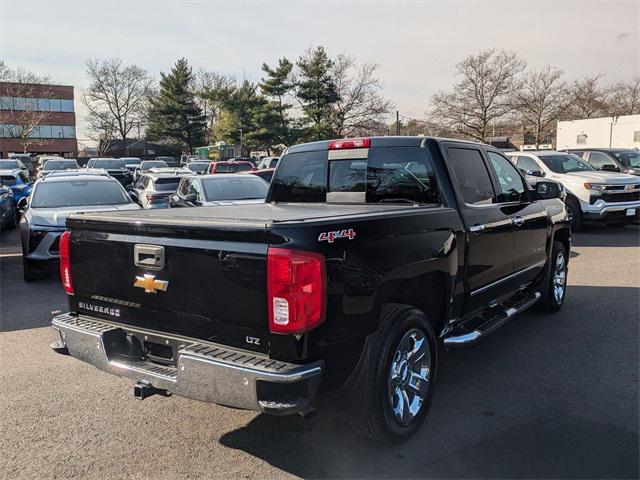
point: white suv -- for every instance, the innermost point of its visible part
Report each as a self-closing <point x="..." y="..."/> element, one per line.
<point x="592" y="195"/>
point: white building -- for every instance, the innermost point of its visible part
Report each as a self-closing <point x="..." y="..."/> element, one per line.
<point x="615" y="132"/>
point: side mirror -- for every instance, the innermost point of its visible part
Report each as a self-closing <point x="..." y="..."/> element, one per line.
<point x="134" y="196"/>
<point x="191" y="198"/>
<point x="535" y="173"/>
<point x="23" y="203"/>
<point x="607" y="167"/>
<point x="548" y="190"/>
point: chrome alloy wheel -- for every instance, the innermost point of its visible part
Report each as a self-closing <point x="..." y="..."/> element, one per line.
<point x="409" y="376"/>
<point x="559" y="278"/>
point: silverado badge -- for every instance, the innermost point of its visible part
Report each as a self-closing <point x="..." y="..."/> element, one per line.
<point x="150" y="284"/>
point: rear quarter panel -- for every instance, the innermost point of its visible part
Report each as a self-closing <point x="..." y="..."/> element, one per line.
<point x="413" y="258"/>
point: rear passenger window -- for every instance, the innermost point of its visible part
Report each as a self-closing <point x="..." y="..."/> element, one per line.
<point x="472" y="176"/>
<point x="401" y="174"/>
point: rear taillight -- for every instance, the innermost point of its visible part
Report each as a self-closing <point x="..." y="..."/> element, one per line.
<point x="155" y="197"/>
<point x="65" y="263"/>
<point x="349" y="143"/>
<point x="296" y="288"/>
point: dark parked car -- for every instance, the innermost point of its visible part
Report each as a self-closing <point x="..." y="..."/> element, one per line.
<point x="366" y="254"/>
<point x="57" y="165"/>
<point x="55" y="197"/>
<point x="266" y="173"/>
<point x="198" y="167"/>
<point x="230" y="166"/>
<point x="27" y="161"/>
<point x="8" y="209"/>
<point x="625" y="160"/>
<point x="231" y="189"/>
<point x="147" y="165"/>
<point x="170" y="161"/>
<point x="114" y="167"/>
<point x="153" y="189"/>
<point x="132" y="163"/>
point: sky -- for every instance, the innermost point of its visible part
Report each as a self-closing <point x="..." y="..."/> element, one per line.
<point x="415" y="43"/>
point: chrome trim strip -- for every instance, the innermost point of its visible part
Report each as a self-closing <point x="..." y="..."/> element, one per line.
<point x="508" y="277"/>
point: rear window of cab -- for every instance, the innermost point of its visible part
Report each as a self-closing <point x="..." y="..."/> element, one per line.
<point x="386" y="175"/>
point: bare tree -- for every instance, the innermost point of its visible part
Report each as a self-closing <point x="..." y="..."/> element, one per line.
<point x="482" y="95"/>
<point x="117" y="97"/>
<point x="587" y="98"/>
<point x="360" y="103"/>
<point x="540" y="100"/>
<point x="25" y="109"/>
<point x="624" y="97"/>
<point x="210" y="88"/>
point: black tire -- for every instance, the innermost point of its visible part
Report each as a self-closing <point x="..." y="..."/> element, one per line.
<point x="12" y="224"/>
<point x="379" y="422"/>
<point x="550" y="302"/>
<point x="576" y="214"/>
<point x="30" y="271"/>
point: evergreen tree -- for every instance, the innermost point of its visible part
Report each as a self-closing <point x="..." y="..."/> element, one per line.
<point x="276" y="87"/>
<point x="174" y="115"/>
<point x="317" y="92"/>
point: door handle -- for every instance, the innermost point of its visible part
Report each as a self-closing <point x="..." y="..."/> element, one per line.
<point x="476" y="227"/>
<point x="517" y="221"/>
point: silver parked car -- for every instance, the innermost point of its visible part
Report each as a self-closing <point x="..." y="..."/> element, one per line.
<point x="53" y="199"/>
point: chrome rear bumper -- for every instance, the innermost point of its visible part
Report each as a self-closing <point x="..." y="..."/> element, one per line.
<point x="206" y="372"/>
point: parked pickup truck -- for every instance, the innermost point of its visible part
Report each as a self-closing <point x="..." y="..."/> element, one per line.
<point x="367" y="254"/>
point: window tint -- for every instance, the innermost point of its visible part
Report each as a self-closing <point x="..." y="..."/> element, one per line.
<point x="565" y="163"/>
<point x="166" y="184"/>
<point x="232" y="167"/>
<point x="347" y="175"/>
<point x="401" y="174"/>
<point x="75" y="193"/>
<point x="110" y="164"/>
<point x="509" y="181"/>
<point x="599" y="159"/>
<point x="8" y="180"/>
<point x="59" y="165"/>
<point x="472" y="176"/>
<point x="8" y="164"/>
<point x="629" y="159"/>
<point x="153" y="164"/>
<point x="234" y="188"/>
<point x="302" y="177"/>
<point x="528" y="164"/>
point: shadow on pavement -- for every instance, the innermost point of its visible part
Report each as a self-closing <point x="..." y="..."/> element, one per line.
<point x="547" y="396"/>
<point x="604" y="236"/>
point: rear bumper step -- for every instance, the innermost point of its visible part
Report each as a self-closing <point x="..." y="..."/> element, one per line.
<point x="206" y="372"/>
<point x="485" y="326"/>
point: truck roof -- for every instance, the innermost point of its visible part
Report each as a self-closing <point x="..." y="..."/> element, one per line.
<point x="395" y="141"/>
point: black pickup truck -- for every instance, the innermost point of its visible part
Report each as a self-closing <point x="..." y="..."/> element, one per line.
<point x="366" y="255"/>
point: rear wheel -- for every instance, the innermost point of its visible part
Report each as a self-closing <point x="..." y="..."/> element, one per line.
<point x="575" y="214"/>
<point x="405" y="368"/>
<point x="555" y="287"/>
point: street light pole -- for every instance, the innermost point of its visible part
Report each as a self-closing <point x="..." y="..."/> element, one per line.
<point x="240" y="142"/>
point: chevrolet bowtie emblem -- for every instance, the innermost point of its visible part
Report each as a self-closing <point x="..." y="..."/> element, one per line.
<point x="150" y="284"/>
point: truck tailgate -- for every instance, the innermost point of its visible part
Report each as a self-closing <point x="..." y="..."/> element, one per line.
<point x="215" y="290"/>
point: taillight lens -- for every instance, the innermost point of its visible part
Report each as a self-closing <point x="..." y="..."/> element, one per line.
<point x="349" y="143"/>
<point x="296" y="284"/>
<point x="65" y="263"/>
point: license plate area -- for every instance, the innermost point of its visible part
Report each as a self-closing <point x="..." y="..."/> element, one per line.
<point x="631" y="212"/>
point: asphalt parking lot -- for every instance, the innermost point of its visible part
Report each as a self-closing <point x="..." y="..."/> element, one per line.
<point x="546" y="396"/>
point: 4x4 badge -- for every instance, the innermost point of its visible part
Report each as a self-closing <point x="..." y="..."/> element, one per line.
<point x="150" y="284"/>
<point x="332" y="236"/>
